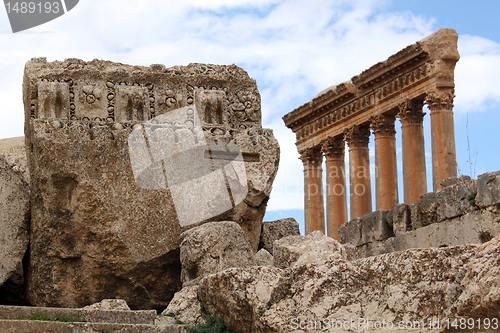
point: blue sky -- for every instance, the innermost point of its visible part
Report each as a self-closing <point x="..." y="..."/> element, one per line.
<point x="293" y="49"/>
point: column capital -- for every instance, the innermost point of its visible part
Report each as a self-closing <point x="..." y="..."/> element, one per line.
<point x="383" y="125"/>
<point x="440" y="100"/>
<point x="357" y="136"/>
<point x="410" y="112"/>
<point x="334" y="148"/>
<point x="311" y="157"/>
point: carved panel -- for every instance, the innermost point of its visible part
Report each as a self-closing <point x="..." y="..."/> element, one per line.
<point x="53" y="100"/>
<point x="132" y="103"/>
<point x="90" y="102"/>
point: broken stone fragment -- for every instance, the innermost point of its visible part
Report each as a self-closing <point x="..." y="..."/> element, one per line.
<point x="293" y="251"/>
<point x="272" y="231"/>
<point x="211" y="248"/>
<point x="14" y="220"/>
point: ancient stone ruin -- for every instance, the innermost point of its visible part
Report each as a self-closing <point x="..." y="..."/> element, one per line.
<point x="422" y="73"/>
<point x="106" y="208"/>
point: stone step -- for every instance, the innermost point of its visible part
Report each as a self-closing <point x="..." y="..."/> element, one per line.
<point x="146" y="317"/>
<point x="35" y="326"/>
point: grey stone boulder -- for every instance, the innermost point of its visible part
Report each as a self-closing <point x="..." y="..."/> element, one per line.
<point x="455" y="200"/>
<point x="454" y="180"/>
<point x="399" y="219"/>
<point x="374" y="227"/>
<point x="185" y="306"/>
<point x="14" y="220"/>
<point x="263" y="258"/>
<point x="350" y="232"/>
<point x="272" y="231"/>
<point x="12" y="150"/>
<point x="427" y="209"/>
<point x="295" y="251"/>
<point x="488" y="189"/>
<point x="211" y="248"/>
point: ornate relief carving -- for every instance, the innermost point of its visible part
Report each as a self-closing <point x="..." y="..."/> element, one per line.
<point x="110" y="96"/>
<point x="410" y="112"/>
<point x="440" y="100"/>
<point x="383" y="125"/>
<point x="311" y="157"/>
<point x="334" y="148"/>
<point x="357" y="136"/>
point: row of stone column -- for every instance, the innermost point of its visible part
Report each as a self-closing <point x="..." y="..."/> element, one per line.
<point x="357" y="137"/>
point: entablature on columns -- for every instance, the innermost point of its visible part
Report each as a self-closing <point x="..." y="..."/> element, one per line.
<point x="422" y="71"/>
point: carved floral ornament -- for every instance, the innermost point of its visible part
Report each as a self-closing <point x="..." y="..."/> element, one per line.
<point x="410" y="112"/>
<point x="440" y="100"/>
<point x="245" y="106"/>
<point x="333" y="148"/>
<point x="357" y="136"/>
<point x="383" y="125"/>
<point x="311" y="157"/>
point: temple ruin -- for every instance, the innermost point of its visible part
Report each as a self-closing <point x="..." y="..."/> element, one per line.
<point x="421" y="74"/>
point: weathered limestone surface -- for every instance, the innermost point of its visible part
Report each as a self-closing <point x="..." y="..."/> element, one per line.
<point x="413" y="285"/>
<point x="242" y="295"/>
<point x="350" y="232"/>
<point x="109" y="304"/>
<point x="299" y="250"/>
<point x="264" y="258"/>
<point x="96" y="233"/>
<point x="272" y="231"/>
<point x="211" y="248"/>
<point x="453" y="201"/>
<point x="475" y="227"/>
<point x="185" y="306"/>
<point x="13" y="152"/>
<point x="375" y="227"/>
<point x="488" y="191"/>
<point x="480" y="296"/>
<point x="14" y="220"/>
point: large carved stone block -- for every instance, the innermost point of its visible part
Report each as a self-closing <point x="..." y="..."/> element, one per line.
<point x="114" y="154"/>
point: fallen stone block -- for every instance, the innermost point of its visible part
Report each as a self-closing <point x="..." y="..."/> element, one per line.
<point x="374" y="227"/>
<point x="294" y="251"/>
<point x="455" y="200"/>
<point x="211" y="248"/>
<point x="401" y="219"/>
<point x="123" y="159"/>
<point x="427" y="209"/>
<point x="272" y="231"/>
<point x="14" y="220"/>
<point x="350" y="232"/>
<point x="488" y="189"/>
<point x="264" y="258"/>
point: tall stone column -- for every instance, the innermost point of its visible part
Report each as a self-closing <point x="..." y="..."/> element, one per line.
<point x="412" y="130"/>
<point x="444" y="158"/>
<point x="386" y="165"/>
<point x="357" y="138"/>
<point x="314" y="214"/>
<point x="336" y="191"/>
